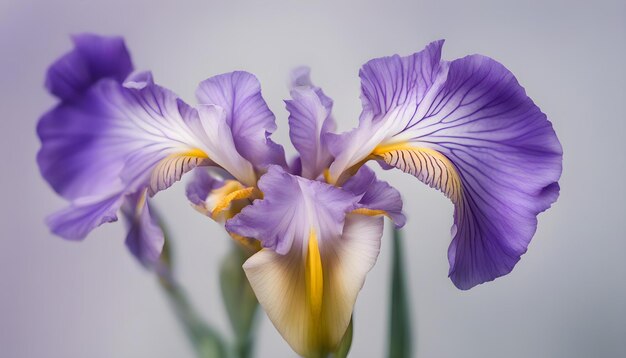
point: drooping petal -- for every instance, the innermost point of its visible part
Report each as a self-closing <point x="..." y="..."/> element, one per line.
<point x="145" y="239"/>
<point x="292" y="207"/>
<point x="309" y="122"/>
<point x="93" y="58"/>
<point x="376" y="196"/>
<point x="283" y="284"/>
<point x="120" y="139"/>
<point x="247" y="115"/>
<point x="83" y="215"/>
<point x="467" y="128"/>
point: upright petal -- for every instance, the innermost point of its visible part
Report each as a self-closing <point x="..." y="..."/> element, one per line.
<point x="392" y="88"/>
<point x="467" y="128"/>
<point x="93" y="58"/>
<point x="309" y="123"/>
<point x="247" y="115"/>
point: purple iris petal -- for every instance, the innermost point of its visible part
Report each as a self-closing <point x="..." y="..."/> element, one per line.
<point x="94" y="57"/>
<point x="376" y="194"/>
<point x="84" y="215"/>
<point x="145" y="239"/>
<point x="291" y="208"/>
<point x="509" y="160"/>
<point x="200" y="186"/>
<point x="110" y="142"/>
<point x="309" y="123"/>
<point x="467" y="128"/>
<point x="247" y="114"/>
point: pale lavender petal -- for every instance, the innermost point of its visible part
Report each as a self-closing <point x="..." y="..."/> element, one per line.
<point x="301" y="77"/>
<point x="78" y="219"/>
<point x="139" y="80"/>
<point x="309" y="121"/>
<point x="376" y="195"/>
<point x="201" y="185"/>
<point x="93" y="58"/>
<point x="145" y="239"/>
<point x="291" y="209"/>
<point x="247" y="114"/>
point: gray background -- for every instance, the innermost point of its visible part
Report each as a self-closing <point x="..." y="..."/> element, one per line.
<point x="567" y="296"/>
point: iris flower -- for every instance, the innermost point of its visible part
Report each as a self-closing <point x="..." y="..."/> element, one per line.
<point x="465" y="127"/>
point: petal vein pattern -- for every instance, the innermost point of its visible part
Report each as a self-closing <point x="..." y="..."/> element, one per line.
<point x="114" y="141"/>
<point x="468" y="128"/>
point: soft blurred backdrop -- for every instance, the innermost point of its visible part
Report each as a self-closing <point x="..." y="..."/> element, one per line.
<point x="566" y="297"/>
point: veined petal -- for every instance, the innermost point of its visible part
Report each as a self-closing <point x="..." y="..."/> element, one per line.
<point x="93" y="58"/>
<point x="391" y="88"/>
<point x="377" y="197"/>
<point x="84" y="215"/>
<point x="291" y="207"/>
<point x="313" y="323"/>
<point x="145" y="239"/>
<point x="250" y="120"/>
<point x="467" y="128"/>
<point x="116" y="138"/>
<point x="309" y="122"/>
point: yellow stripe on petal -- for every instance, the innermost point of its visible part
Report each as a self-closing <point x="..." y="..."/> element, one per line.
<point x="226" y="201"/>
<point x="170" y="169"/>
<point x="370" y="212"/>
<point x="314" y="276"/>
<point x="428" y="165"/>
<point x="309" y="293"/>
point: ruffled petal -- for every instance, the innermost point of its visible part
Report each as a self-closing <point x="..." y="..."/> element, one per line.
<point x="391" y="88"/>
<point x="309" y="123"/>
<point x="93" y="58"/>
<point x="247" y="115"/>
<point x="377" y="197"/>
<point x="467" y="128"/>
<point x="283" y="284"/>
<point x="292" y="207"/>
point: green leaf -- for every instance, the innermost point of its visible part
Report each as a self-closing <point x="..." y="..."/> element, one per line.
<point x="239" y="299"/>
<point x="400" y="345"/>
<point x="346" y="342"/>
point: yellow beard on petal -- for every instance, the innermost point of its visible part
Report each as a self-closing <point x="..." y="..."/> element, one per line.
<point x="309" y="292"/>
